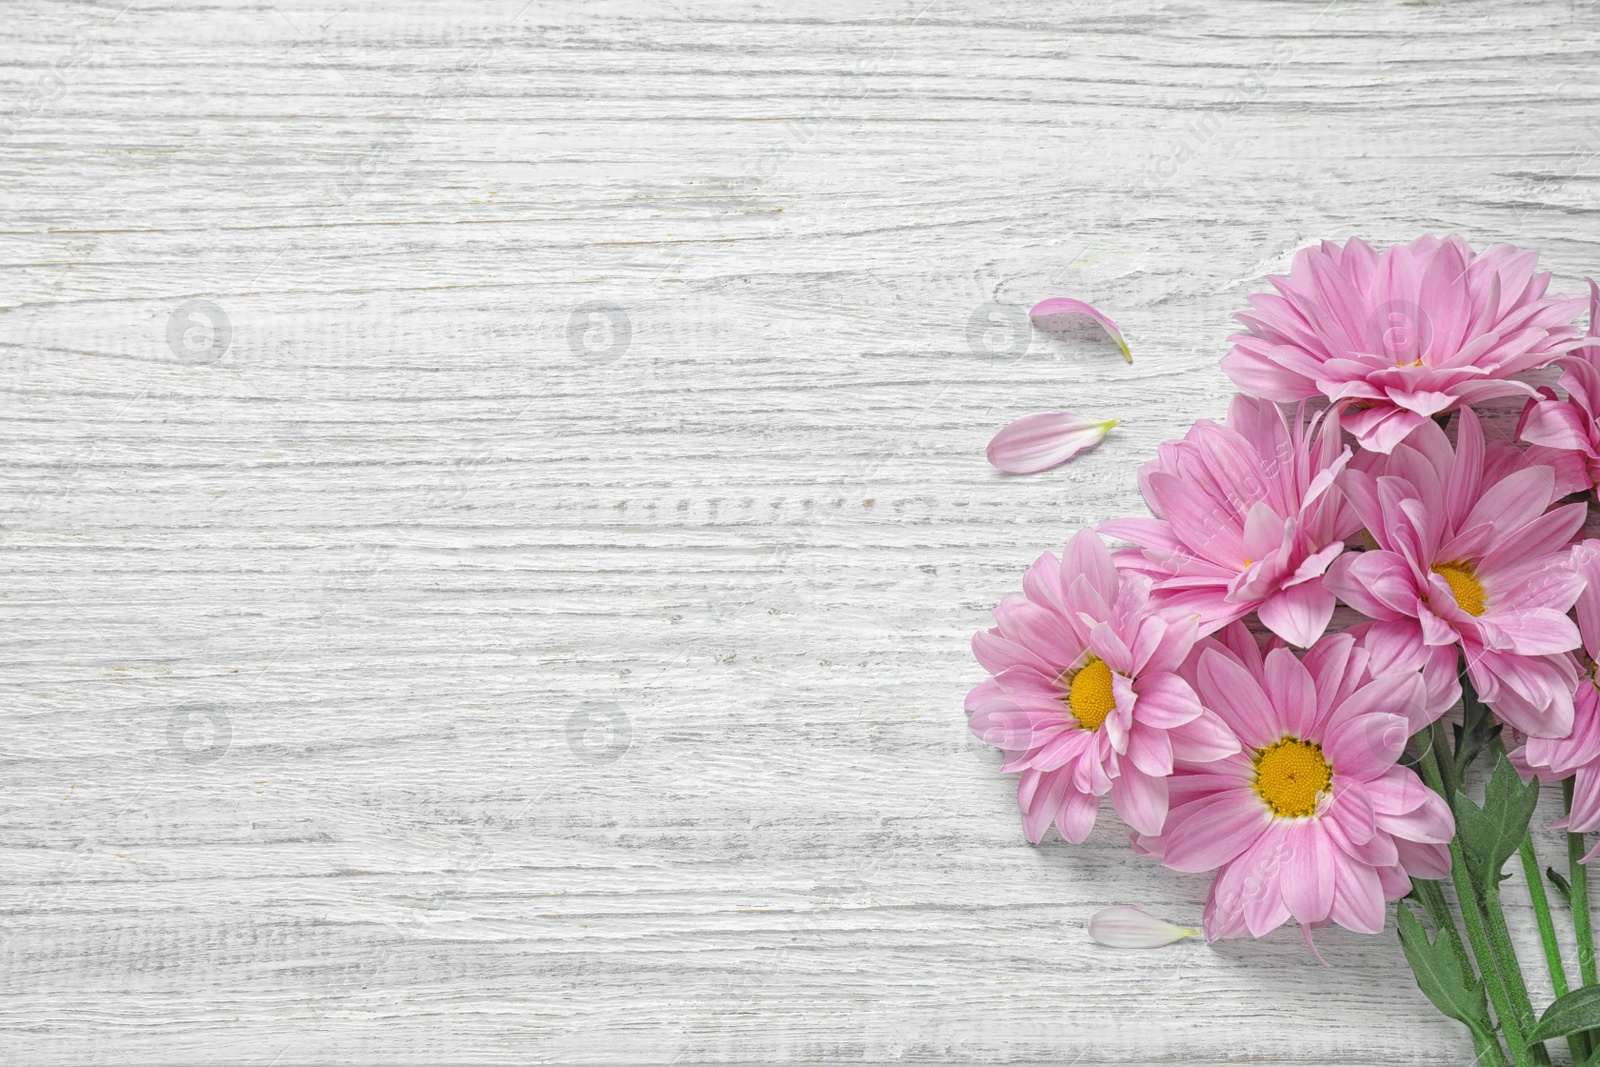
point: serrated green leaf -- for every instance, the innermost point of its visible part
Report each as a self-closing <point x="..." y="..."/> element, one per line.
<point x="1490" y="835"/>
<point x="1577" y="1011"/>
<point x="1452" y="989"/>
<point x="1559" y="880"/>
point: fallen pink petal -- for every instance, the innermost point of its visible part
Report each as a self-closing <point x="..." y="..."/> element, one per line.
<point x="1063" y="305"/>
<point x="1128" y="927"/>
<point x="1038" y="442"/>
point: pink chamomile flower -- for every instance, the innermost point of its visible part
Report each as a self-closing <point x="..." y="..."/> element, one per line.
<point x="1248" y="518"/>
<point x="1085" y="697"/>
<point x="1403" y="334"/>
<point x="1314" y="821"/>
<point x="1470" y="553"/>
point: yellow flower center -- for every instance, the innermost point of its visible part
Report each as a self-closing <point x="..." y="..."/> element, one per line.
<point x="1290" y="775"/>
<point x="1463" y="581"/>
<point x="1089" y="694"/>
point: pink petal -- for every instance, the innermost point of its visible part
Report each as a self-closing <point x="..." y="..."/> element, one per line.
<point x="1125" y="927"/>
<point x="1259" y="374"/>
<point x="1366" y="745"/>
<point x="1038" y="442"/>
<point x="1350" y="811"/>
<point x="1585" y="801"/>
<point x="1514" y="501"/>
<point x="1291" y="689"/>
<point x="1164" y="644"/>
<point x="1586" y="562"/>
<point x="1189" y="507"/>
<point x="1263" y="530"/>
<point x="1538" y="632"/>
<point x="1554" y="424"/>
<point x="1204" y="739"/>
<point x="1141" y="800"/>
<point x="1367" y="733"/>
<point x="1086" y="557"/>
<point x="1381" y="429"/>
<point x="1377" y="584"/>
<point x="1062" y="305"/>
<point x="1064" y="748"/>
<point x="1357" y="897"/>
<point x="1233" y="693"/>
<point x="1435" y="631"/>
<point x="1214" y="831"/>
<point x="1264" y="907"/>
<point x="1430" y="823"/>
<point x="1398" y="792"/>
<point x="996" y="654"/>
<point x="1333" y="672"/>
<point x="1423" y="402"/>
<point x="1224" y="915"/>
<point x="1530" y="693"/>
<point x="1151" y="752"/>
<point x="1039" y="796"/>
<point x="1165" y="701"/>
<point x="1423" y="861"/>
<point x="1075" y="817"/>
<point x="1316" y="564"/>
<point x="1298" y="614"/>
<point x="1307" y="874"/>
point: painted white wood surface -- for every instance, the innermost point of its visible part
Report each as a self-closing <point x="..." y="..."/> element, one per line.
<point x="396" y="679"/>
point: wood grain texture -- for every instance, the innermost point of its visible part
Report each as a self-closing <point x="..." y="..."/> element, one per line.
<point x="417" y="675"/>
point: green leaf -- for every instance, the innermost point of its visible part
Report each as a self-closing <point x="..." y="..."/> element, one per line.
<point x="1559" y="880"/>
<point x="1490" y="834"/>
<point x="1579" y="1010"/>
<point x="1452" y="988"/>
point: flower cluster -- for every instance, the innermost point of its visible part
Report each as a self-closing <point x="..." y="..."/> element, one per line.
<point x="1196" y="678"/>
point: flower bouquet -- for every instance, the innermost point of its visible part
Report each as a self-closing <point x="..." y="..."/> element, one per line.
<point x="1195" y="677"/>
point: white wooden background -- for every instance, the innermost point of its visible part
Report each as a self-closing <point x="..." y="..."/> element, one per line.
<point x="400" y="670"/>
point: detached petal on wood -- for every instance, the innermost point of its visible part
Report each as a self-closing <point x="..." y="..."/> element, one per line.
<point x="1061" y="305"/>
<point x="1038" y="442"/>
<point x="1125" y="927"/>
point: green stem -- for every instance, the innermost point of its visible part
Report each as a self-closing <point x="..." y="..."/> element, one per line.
<point x="1576" y="1043"/>
<point x="1579" y="874"/>
<point x="1505" y="949"/>
<point x="1488" y="966"/>
<point x="1582" y="924"/>
<point x="1505" y="954"/>
<point x="1541" y="909"/>
<point x="1488" y="1048"/>
<point x="1472" y="912"/>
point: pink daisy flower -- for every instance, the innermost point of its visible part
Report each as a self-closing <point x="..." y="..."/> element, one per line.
<point x="1248" y="517"/>
<point x="1470" y="554"/>
<point x="1564" y="433"/>
<point x="1314" y="820"/>
<point x="1086" y="699"/>
<point x="1578" y="754"/>
<point x="1402" y="334"/>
